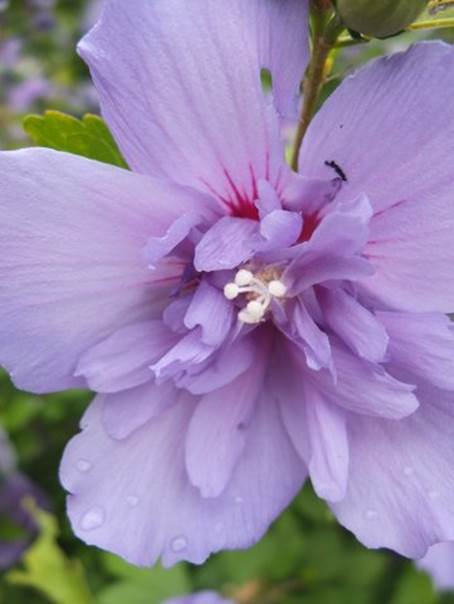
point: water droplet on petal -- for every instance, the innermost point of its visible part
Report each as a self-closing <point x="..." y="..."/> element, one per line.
<point x="239" y="500"/>
<point x="218" y="527"/>
<point x="93" y="519"/>
<point x="179" y="544"/>
<point x="132" y="500"/>
<point x="434" y="495"/>
<point x="371" y="514"/>
<point x="408" y="471"/>
<point x="83" y="465"/>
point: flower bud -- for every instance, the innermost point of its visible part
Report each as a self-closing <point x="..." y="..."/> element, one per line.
<point x="379" y="18"/>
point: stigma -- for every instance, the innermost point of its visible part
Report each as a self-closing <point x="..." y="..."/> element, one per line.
<point x="259" y="289"/>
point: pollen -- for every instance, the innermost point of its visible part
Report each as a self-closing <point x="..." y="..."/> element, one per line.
<point x="260" y="289"/>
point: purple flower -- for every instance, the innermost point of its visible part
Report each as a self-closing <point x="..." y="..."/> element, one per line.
<point x="14" y="488"/>
<point x="439" y="563"/>
<point x="206" y="597"/>
<point x="10" y="53"/>
<point x="243" y="325"/>
<point x="21" y="97"/>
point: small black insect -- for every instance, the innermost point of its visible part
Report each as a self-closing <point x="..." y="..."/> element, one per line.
<point x="332" y="164"/>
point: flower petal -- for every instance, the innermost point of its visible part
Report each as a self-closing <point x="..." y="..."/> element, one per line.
<point x="280" y="229"/>
<point x="205" y="597"/>
<point x="311" y="339"/>
<point x="422" y="345"/>
<point x="334" y="250"/>
<point x="316" y="427"/>
<point x="148" y="509"/>
<point x="390" y="129"/>
<point x="178" y="99"/>
<point x="329" y="454"/>
<point x="365" y="388"/>
<point x="218" y="430"/>
<point x="227" y="244"/>
<point x="212" y="312"/>
<point x="189" y="352"/>
<point x="226" y="364"/>
<point x="439" y="563"/>
<point x="123" y="359"/>
<point x="126" y="411"/>
<point x="354" y="324"/>
<point x="71" y="265"/>
<point x="401" y="480"/>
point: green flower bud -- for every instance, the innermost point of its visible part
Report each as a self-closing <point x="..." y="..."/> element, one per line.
<point x="379" y="18"/>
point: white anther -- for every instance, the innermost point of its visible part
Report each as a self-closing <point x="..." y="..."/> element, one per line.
<point x="277" y="289"/>
<point x="259" y="291"/>
<point x="231" y="291"/>
<point x="245" y="317"/>
<point x="255" y="309"/>
<point x="243" y="277"/>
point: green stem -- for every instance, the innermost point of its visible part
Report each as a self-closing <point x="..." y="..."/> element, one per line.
<point x="324" y="39"/>
<point x="431" y="24"/>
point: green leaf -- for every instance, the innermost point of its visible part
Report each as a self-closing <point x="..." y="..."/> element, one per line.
<point x="88" y="137"/>
<point x="47" y="569"/>
<point x="415" y="587"/>
<point x="143" y="586"/>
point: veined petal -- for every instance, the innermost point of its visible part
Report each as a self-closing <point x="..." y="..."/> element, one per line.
<point x="354" y="324"/>
<point x="183" y="104"/>
<point x="126" y="411"/>
<point x="123" y="359"/>
<point x="402" y="160"/>
<point x="401" y="480"/>
<point x="422" y="344"/>
<point x="147" y="507"/>
<point x="226" y="364"/>
<point x="218" y="431"/>
<point x="328" y="441"/>
<point x="334" y="250"/>
<point x="72" y="270"/>
<point x="439" y="563"/>
<point x="212" y="312"/>
<point x="316" y="426"/>
<point x="205" y="597"/>
<point x="227" y="244"/>
<point x="311" y="339"/>
<point x="189" y="352"/>
<point x="365" y="388"/>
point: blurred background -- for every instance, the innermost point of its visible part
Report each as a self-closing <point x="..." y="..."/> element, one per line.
<point x="305" y="558"/>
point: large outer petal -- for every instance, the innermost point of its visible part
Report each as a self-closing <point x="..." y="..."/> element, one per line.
<point x="71" y="267"/>
<point x="439" y="563"/>
<point x="391" y="129"/>
<point x="180" y="87"/>
<point x="135" y="498"/>
<point x="401" y="480"/>
<point x="422" y="345"/>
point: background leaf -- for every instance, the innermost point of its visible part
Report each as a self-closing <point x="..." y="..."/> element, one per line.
<point x="88" y="137"/>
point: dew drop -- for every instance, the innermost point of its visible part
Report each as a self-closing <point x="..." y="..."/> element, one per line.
<point x="218" y="527"/>
<point x="408" y="471"/>
<point x="93" y="519"/>
<point x="371" y="514"/>
<point x="434" y="495"/>
<point x="83" y="465"/>
<point x="239" y="500"/>
<point x="132" y="500"/>
<point x="179" y="544"/>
